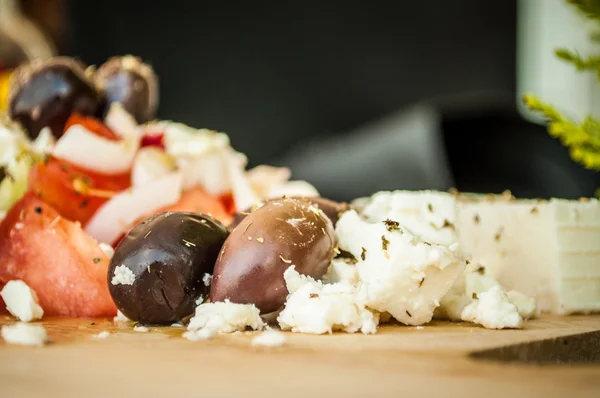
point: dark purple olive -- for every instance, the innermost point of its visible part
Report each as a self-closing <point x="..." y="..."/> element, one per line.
<point x="163" y="266"/>
<point x="332" y="209"/>
<point x="45" y="93"/>
<point x="279" y="234"/>
<point x="130" y="82"/>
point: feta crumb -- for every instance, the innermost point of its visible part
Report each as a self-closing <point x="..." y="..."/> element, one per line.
<point x="120" y="317"/>
<point x="123" y="276"/>
<point x="102" y="335"/>
<point x="200" y="334"/>
<point x="226" y="317"/>
<point x="317" y="308"/>
<point x="269" y="338"/>
<point x="176" y="325"/>
<point x="420" y="327"/>
<point x="140" y="328"/>
<point x="399" y="273"/>
<point x="339" y="270"/>
<point x="207" y="279"/>
<point x="107" y="249"/>
<point x="21" y="301"/>
<point x="24" y="334"/>
<point x="493" y="310"/>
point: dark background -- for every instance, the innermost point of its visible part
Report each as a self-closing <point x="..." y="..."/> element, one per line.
<point x="274" y="74"/>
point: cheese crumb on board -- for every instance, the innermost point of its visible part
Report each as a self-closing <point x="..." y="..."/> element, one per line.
<point x="205" y="333"/>
<point x="24" y="334"/>
<point x="102" y="335"/>
<point x="21" y="301"/>
<point x="399" y="273"/>
<point x="493" y="310"/>
<point x="226" y="317"/>
<point x="141" y="329"/>
<point x="123" y="276"/>
<point x="120" y="317"/>
<point x="270" y="338"/>
<point x="317" y="308"/>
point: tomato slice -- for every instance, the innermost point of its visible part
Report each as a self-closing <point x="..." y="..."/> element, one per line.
<point x="56" y="258"/>
<point x="228" y="202"/>
<point x="92" y="124"/>
<point x="74" y="192"/>
<point x="153" y="139"/>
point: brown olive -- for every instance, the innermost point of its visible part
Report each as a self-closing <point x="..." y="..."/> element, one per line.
<point x="163" y="266"/>
<point x="45" y="93"/>
<point x="331" y="208"/>
<point x="130" y="82"/>
<point x="279" y="234"/>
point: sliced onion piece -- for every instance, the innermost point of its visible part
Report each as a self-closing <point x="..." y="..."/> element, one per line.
<point x="120" y="121"/>
<point x="243" y="194"/>
<point x="208" y="170"/>
<point x="149" y="164"/>
<point x="116" y="215"/>
<point x="263" y="178"/>
<point x="44" y="142"/>
<point x="85" y="149"/>
<point x="292" y="188"/>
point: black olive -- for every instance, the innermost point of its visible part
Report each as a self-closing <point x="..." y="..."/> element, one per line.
<point x="130" y="82"/>
<point x="45" y="93"/>
<point x="167" y="260"/>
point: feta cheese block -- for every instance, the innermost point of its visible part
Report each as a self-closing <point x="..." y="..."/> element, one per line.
<point x="317" y="308"/>
<point x="399" y="273"/>
<point x="21" y="301"/>
<point x="545" y="249"/>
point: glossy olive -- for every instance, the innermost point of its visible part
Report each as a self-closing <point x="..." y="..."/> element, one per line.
<point x="279" y="234"/>
<point x="169" y="255"/>
<point x="45" y="93"/>
<point x="130" y="82"/>
<point x="331" y="208"/>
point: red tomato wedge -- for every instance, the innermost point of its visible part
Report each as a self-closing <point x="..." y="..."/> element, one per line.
<point x="74" y="192"/>
<point x="93" y="125"/>
<point x="64" y="266"/>
<point x="228" y="202"/>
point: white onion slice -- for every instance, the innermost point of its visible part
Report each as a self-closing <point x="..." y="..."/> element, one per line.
<point x="44" y="142"/>
<point x="120" y="121"/>
<point x="263" y="178"/>
<point x="82" y="147"/>
<point x="292" y="188"/>
<point x="116" y="215"/>
<point x="209" y="171"/>
<point x="150" y="163"/>
<point x="244" y="195"/>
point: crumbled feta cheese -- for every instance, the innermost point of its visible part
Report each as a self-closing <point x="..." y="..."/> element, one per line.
<point x="140" y="328"/>
<point x="107" y="249"/>
<point x="226" y="317"/>
<point x="123" y="276"/>
<point x="24" y="334"/>
<point x="102" y="335"/>
<point x="206" y="333"/>
<point x="120" y="317"/>
<point x="340" y="270"/>
<point x="317" y="308"/>
<point x="270" y="338"/>
<point x="21" y="301"/>
<point x="427" y="214"/>
<point x="176" y="325"/>
<point x="207" y="279"/>
<point x="493" y="310"/>
<point x="420" y="327"/>
<point x="399" y="273"/>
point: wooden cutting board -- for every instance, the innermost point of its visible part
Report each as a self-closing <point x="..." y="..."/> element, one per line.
<point x="434" y="361"/>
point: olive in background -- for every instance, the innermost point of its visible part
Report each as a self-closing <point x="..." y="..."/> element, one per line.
<point x="160" y="268"/>
<point x="279" y="234"/>
<point x="331" y="208"/>
<point x="45" y="93"/>
<point x="132" y="83"/>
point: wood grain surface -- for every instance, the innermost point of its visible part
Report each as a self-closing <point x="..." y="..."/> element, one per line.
<point x="398" y="361"/>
